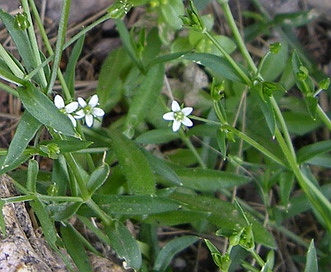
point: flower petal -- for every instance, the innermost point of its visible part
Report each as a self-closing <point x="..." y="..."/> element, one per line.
<point x="187" y="122"/>
<point x="73" y="120"/>
<point x="187" y="111"/>
<point x="89" y="120"/>
<point x="98" y="112"/>
<point x="176" y="125"/>
<point x="71" y="107"/>
<point x="93" y="100"/>
<point x="81" y="102"/>
<point x="168" y="116"/>
<point x="79" y="114"/>
<point x="59" y="102"/>
<point x="175" y="106"/>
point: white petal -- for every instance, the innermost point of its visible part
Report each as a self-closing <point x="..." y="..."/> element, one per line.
<point x="79" y="114"/>
<point x="187" y="122"/>
<point x="89" y="120"/>
<point x="73" y="120"/>
<point x="187" y="111"/>
<point x="176" y="126"/>
<point x="81" y="102"/>
<point x="59" y="102"/>
<point x="175" y="106"/>
<point x="71" y="107"/>
<point x="168" y="116"/>
<point x="94" y="100"/>
<point x="98" y="112"/>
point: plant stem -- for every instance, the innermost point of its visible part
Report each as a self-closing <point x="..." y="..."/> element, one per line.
<point x="326" y="120"/>
<point x="34" y="44"/>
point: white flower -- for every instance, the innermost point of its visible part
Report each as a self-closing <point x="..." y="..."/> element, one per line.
<point x="89" y="110"/>
<point x="178" y="116"/>
<point x="68" y="109"/>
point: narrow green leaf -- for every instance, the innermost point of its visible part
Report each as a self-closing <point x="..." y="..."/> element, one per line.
<point x="225" y="215"/>
<point x="42" y="109"/>
<point x="145" y="97"/>
<point x="64" y="211"/>
<point x="20" y="39"/>
<point x="26" y="129"/>
<point x="311" y="262"/>
<point x="309" y="151"/>
<point x="218" y="66"/>
<point x="2" y="219"/>
<point x="97" y="178"/>
<point x="208" y="180"/>
<point x="69" y="74"/>
<point x="66" y="146"/>
<point x="136" y="205"/>
<point x="124" y="244"/>
<point x="75" y="248"/>
<point x="171" y="249"/>
<point x="128" y="43"/>
<point x="33" y="169"/>
<point x="109" y="87"/>
<point x="157" y="136"/>
<point x="133" y="161"/>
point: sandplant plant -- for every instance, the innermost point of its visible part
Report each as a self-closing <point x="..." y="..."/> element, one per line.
<point x="168" y="161"/>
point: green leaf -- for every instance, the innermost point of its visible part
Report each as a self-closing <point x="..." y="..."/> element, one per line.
<point x="225" y="215"/>
<point x="132" y="161"/>
<point x="274" y="63"/>
<point x="171" y="249"/>
<point x="97" y="178"/>
<point x="145" y="97"/>
<point x="75" y="248"/>
<point x="223" y="262"/>
<point x="64" y="211"/>
<point x="42" y="109"/>
<point x="208" y="180"/>
<point x="171" y="10"/>
<point x="160" y="168"/>
<point x="124" y="244"/>
<point x="33" y="169"/>
<point x="135" y="205"/>
<point x="309" y="151"/>
<point x="66" y="146"/>
<point x="300" y="123"/>
<point x="26" y="129"/>
<point x="69" y="75"/>
<point x="157" y="136"/>
<point x="218" y="66"/>
<point x="20" y="39"/>
<point x="311" y="262"/>
<point x="109" y="87"/>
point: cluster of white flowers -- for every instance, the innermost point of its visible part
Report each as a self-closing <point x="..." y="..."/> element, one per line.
<point x="179" y="116"/>
<point x="81" y="109"/>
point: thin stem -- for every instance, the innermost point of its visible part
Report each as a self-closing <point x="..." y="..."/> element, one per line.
<point x="237" y="36"/>
<point x="106" y="219"/>
<point x="326" y="120"/>
<point x="34" y="44"/>
<point x="242" y="74"/>
<point x="59" y="45"/>
<point x="188" y="143"/>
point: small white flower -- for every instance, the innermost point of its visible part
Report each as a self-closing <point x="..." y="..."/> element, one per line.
<point x="178" y="116"/>
<point x="89" y="110"/>
<point x="68" y="109"/>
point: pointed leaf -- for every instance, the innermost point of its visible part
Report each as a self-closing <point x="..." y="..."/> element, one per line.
<point x="97" y="178"/>
<point x="171" y="249"/>
<point x="219" y="66"/>
<point x="145" y="97"/>
<point x="75" y="248"/>
<point x="124" y="244"/>
<point x="309" y="151"/>
<point x="311" y="262"/>
<point x="42" y="109"/>
<point x="26" y="129"/>
<point x="135" y="166"/>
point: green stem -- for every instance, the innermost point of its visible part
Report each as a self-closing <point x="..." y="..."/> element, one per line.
<point x="326" y="120"/>
<point x="240" y="72"/>
<point x="34" y="44"/>
<point x="242" y="47"/>
<point x="59" y="46"/>
<point x="188" y="143"/>
<point x="106" y="219"/>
